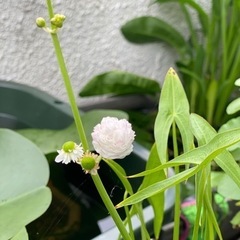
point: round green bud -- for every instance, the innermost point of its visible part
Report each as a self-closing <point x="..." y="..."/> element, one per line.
<point x="68" y="146"/>
<point x="40" y="22"/>
<point x="58" y="20"/>
<point x="88" y="163"/>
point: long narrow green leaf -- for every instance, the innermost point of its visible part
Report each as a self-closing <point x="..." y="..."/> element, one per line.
<point x="173" y="106"/>
<point x="156" y="201"/>
<point x="158" y="187"/>
<point x="120" y="172"/>
<point x="211" y="218"/>
<point x="200" y="156"/>
<point x="204" y="133"/>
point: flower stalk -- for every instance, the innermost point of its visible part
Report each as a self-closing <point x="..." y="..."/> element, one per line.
<point x="177" y="211"/>
<point x="110" y="207"/>
<point x="67" y="83"/>
<point x="77" y="118"/>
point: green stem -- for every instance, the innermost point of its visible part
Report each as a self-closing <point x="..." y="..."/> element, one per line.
<point x="128" y="218"/>
<point x="224" y="45"/>
<point x="110" y="207"/>
<point x="96" y="179"/>
<point x="50" y="8"/>
<point x="177" y="209"/>
<point x="68" y="84"/>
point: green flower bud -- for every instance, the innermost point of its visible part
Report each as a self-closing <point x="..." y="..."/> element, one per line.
<point x="68" y="146"/>
<point x="40" y="22"/>
<point x="58" y="20"/>
<point x="88" y="163"/>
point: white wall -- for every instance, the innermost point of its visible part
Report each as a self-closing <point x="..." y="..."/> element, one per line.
<point x="91" y="41"/>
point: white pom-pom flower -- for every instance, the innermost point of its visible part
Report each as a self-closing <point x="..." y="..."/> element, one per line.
<point x="113" y="138"/>
<point x="70" y="152"/>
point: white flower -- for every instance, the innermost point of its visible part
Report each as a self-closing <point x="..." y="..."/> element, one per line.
<point x="70" y="152"/>
<point x="113" y="138"/>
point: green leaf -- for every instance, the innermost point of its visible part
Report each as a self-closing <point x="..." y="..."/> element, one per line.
<point x="24" y="173"/>
<point x="204" y="133"/>
<point x="120" y="172"/>
<point x="22" y="235"/>
<point x="119" y="83"/>
<point x="20" y="211"/>
<point x="149" y="29"/>
<point x="23" y="163"/>
<point x="231" y="124"/>
<point x="202" y="15"/>
<point x="233" y="106"/>
<point x="236" y="220"/>
<point x="158" y="187"/>
<point x="51" y="140"/>
<point x="201" y="129"/>
<point x="173" y="107"/>
<point x="200" y="156"/>
<point x="225" y="185"/>
<point x="156" y="201"/>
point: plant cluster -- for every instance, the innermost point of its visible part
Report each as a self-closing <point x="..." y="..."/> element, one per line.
<point x="201" y="145"/>
<point x="208" y="55"/>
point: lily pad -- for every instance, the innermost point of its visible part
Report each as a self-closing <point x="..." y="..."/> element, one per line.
<point x="24" y="174"/>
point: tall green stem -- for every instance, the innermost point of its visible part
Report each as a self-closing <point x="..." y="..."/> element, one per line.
<point x="96" y="179"/>
<point x="68" y="84"/>
<point x="177" y="209"/>
<point x="109" y="205"/>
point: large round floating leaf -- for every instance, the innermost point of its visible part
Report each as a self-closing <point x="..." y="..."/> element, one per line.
<point x="24" y="173"/>
<point x="20" y="211"/>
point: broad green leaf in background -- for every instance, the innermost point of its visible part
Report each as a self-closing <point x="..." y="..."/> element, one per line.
<point x="51" y="140"/>
<point x="119" y="83"/>
<point x="225" y="185"/>
<point x="173" y="107"/>
<point x="24" y="174"/>
<point x="148" y="29"/>
<point x="156" y="201"/>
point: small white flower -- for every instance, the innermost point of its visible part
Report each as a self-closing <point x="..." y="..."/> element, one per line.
<point x="70" y="152"/>
<point x="113" y="138"/>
